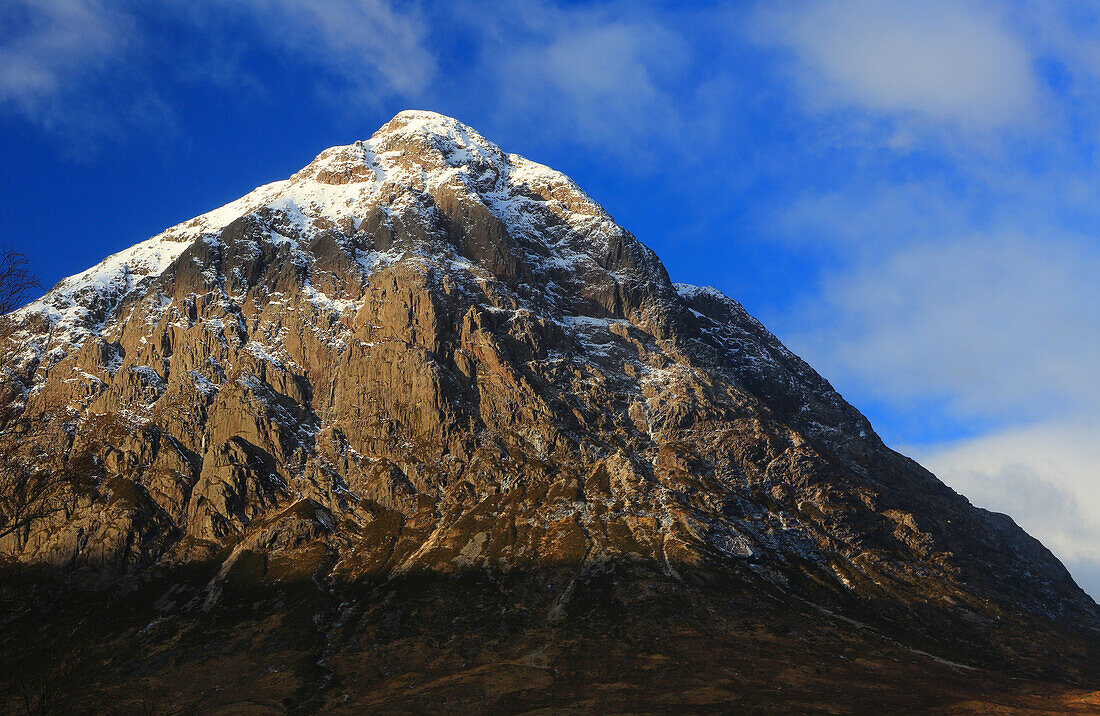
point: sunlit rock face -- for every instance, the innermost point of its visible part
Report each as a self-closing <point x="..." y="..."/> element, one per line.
<point x="420" y="354"/>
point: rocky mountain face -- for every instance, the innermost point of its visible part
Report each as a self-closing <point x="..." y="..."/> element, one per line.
<point x="426" y="409"/>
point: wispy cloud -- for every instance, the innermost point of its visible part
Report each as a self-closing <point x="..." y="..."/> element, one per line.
<point x="49" y="49"/>
<point x="941" y="62"/>
<point x="593" y="75"/>
<point x="87" y="68"/>
<point x="627" y="81"/>
<point x="623" y="80"/>
<point x="369" y="45"/>
<point x="1001" y="327"/>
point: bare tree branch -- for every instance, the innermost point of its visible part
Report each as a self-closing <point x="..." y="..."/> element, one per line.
<point x="27" y="496"/>
<point x="16" y="280"/>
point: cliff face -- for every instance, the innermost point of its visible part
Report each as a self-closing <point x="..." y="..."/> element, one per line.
<point x="421" y="355"/>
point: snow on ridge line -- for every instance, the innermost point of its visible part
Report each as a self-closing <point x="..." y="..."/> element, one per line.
<point x="516" y="166"/>
<point x="468" y="146"/>
<point x="147" y="258"/>
<point x="687" y="290"/>
<point x="78" y="304"/>
<point x="413" y="121"/>
<point x="152" y="256"/>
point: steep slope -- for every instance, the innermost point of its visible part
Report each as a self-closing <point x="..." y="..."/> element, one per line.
<point x="420" y="356"/>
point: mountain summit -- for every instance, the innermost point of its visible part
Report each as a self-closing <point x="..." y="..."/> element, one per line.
<point x="422" y="427"/>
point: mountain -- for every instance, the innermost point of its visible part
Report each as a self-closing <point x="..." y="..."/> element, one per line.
<point x="422" y="428"/>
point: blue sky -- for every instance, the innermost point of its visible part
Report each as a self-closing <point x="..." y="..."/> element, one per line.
<point x="905" y="191"/>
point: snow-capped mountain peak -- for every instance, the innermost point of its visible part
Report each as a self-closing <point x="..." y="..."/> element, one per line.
<point x="402" y="167"/>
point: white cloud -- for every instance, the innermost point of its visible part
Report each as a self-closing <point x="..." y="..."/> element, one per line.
<point x="1046" y="476"/>
<point x="942" y="61"/>
<point x="1002" y="327"/>
<point x="369" y="44"/>
<point x="48" y="48"/>
<point x="866" y="220"/>
<point x="88" y="67"/>
<point x="601" y="74"/>
<point x="605" y="76"/>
